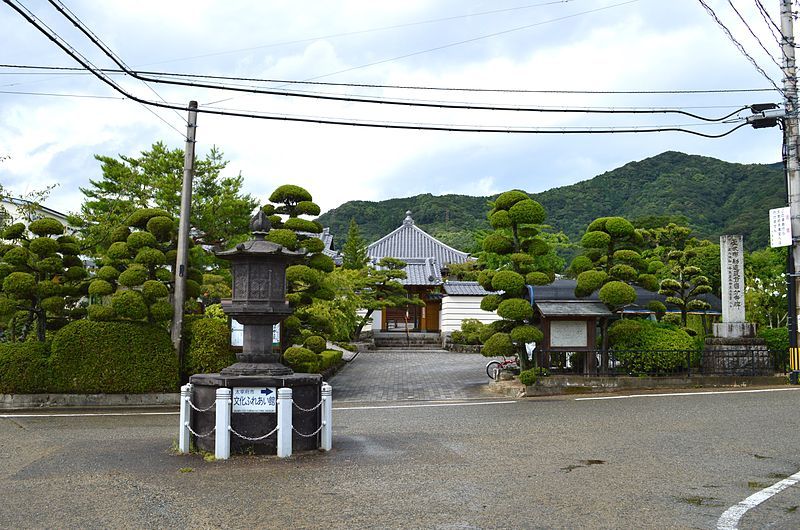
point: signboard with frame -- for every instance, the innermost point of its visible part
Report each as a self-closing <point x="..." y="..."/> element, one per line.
<point x="254" y="399"/>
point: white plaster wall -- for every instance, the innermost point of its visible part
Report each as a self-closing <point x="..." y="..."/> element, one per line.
<point x="457" y="308"/>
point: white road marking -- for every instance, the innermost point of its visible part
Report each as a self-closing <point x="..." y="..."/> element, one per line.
<point x="691" y="394"/>
<point x="423" y="405"/>
<point x="730" y="519"/>
<point x="88" y="414"/>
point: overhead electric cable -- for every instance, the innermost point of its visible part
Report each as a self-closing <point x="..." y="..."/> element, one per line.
<point x="352" y="99"/>
<point x="753" y="33"/>
<point x="82" y="71"/>
<point x="773" y="28"/>
<point x="738" y="44"/>
<point x="91" y="96"/>
<point x="56" y="39"/>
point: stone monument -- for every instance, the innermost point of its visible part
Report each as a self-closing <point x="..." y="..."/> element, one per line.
<point x="258" y="302"/>
<point x="734" y="349"/>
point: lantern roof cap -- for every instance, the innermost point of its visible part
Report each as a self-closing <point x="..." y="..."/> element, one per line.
<point x="260" y="226"/>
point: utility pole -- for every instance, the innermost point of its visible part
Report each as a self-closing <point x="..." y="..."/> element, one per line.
<point x="181" y="262"/>
<point x="790" y="143"/>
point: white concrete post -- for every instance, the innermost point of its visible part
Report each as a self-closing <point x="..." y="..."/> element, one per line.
<point x="327" y="417"/>
<point x="285" y="405"/>
<point x="186" y="411"/>
<point x="222" y="442"/>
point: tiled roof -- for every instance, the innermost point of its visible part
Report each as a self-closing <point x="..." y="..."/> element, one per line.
<point x="408" y="242"/>
<point x="456" y="288"/>
<point x="421" y="271"/>
<point x="573" y="308"/>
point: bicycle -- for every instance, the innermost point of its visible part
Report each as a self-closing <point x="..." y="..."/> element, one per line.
<point x="493" y="368"/>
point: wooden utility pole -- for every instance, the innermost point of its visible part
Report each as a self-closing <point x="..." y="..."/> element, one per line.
<point x="182" y="261"/>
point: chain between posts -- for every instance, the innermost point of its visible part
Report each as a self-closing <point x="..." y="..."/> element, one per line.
<point x="301" y="409"/>
<point x="270" y="433"/>
<point x="209" y="433"/>
<point x="189" y="401"/>
<point x="308" y="435"/>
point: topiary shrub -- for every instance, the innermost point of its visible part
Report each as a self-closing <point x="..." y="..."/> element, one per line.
<point x="24" y="368"/>
<point x="646" y="347"/>
<point x="301" y="360"/>
<point x="777" y="340"/>
<point x="524" y="334"/>
<point x="617" y="294"/>
<point x="129" y="304"/>
<point x="515" y="309"/>
<point x="315" y="343"/>
<point x="528" y="377"/>
<point x="498" y="345"/>
<point x="46" y="227"/>
<point x="113" y="357"/>
<point x="208" y="346"/>
<point x="513" y="283"/>
<point x="329" y="359"/>
<point x="100" y="313"/>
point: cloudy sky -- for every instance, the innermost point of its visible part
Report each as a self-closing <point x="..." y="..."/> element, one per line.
<point x="539" y="53"/>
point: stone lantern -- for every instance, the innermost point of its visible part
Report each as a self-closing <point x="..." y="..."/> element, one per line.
<point x="259" y="298"/>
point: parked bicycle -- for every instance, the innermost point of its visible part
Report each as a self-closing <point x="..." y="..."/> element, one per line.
<point x="493" y="368"/>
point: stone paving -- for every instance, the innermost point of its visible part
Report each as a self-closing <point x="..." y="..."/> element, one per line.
<point x="400" y="375"/>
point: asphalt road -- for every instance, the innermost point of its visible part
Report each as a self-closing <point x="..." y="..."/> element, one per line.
<point x="674" y="461"/>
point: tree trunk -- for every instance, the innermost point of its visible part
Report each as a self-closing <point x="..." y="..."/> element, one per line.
<point x="41" y="325"/>
<point x="604" y="349"/>
<point x="360" y="327"/>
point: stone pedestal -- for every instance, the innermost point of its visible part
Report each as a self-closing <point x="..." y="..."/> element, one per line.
<point x="306" y="393"/>
<point x="736" y="356"/>
<point x="734" y="330"/>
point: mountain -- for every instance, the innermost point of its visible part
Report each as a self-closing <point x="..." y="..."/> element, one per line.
<point x="714" y="197"/>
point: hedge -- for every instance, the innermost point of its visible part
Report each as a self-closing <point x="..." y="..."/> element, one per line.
<point x="113" y="357"/>
<point x="24" y="368"/>
<point x="777" y="340"/>
<point x="643" y="346"/>
<point x="208" y="347"/>
<point x="329" y="358"/>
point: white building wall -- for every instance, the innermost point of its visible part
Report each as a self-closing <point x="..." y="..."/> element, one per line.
<point x="375" y="317"/>
<point x="457" y="308"/>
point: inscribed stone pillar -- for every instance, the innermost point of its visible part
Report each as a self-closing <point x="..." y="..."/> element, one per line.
<point x="732" y="264"/>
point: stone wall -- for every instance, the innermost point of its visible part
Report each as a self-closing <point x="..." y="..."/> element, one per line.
<point x="736" y="356"/>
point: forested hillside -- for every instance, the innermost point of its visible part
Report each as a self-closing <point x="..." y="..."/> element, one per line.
<point x="712" y="196"/>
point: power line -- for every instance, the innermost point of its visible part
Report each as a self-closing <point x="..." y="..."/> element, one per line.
<point x="56" y="39"/>
<point x="82" y="71"/>
<point x="738" y="44"/>
<point x="771" y="25"/>
<point x="91" y="96"/>
<point x="352" y="99"/>
<point x="753" y="33"/>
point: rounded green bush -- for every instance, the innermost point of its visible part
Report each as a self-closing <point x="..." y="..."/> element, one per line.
<point x="303" y="225"/>
<point x="133" y="276"/>
<point x="43" y="246"/>
<point x="152" y="290"/>
<point x="301" y="273"/>
<point x="20" y="285"/>
<point x="161" y="311"/>
<point x="161" y="227"/>
<point x="321" y="262"/>
<point x="71" y="261"/>
<point x="307" y="208"/>
<point x="654" y="266"/>
<point x="500" y="219"/>
<point x="283" y="237"/>
<point x="100" y="313"/>
<point x="171" y="256"/>
<point x="53" y="304"/>
<point x="312" y="245"/>
<point x="538" y="278"/>
<point x="5" y="270"/>
<point x="647" y="347"/>
<point x="315" y="343"/>
<point x="150" y="257"/>
<point x="648" y="281"/>
<point x="46" y="227"/>
<point x="498" y="345"/>
<point x="208" y="347"/>
<point x="292" y="323"/>
<point x="51" y="265"/>
<point x="598" y="225"/>
<point x="47" y="288"/>
<point x="491" y="302"/>
<point x="509" y="281"/>
<point x="623" y="272"/>
<point x="129" y="304"/>
<point x="524" y="334"/>
<point x="330" y="358"/>
<point x="536" y="246"/>
<point x="193" y="289"/>
<point x="7" y="306"/>
<point x="485" y="279"/>
<point x="508" y="199"/>
<point x="118" y="250"/>
<point x="617" y="294"/>
<point x="595" y="240"/>
<point x="139" y="218"/>
<point x="141" y="239"/>
<point x="619" y="227"/>
<point x="301" y="359"/>
<point x="163" y="275"/>
<point x="120" y="234"/>
<point x="69" y="249"/>
<point x="521" y="260"/>
<point x="108" y="273"/>
<point x="515" y="309"/>
<point x="290" y="193"/>
<point x="113" y="357"/>
<point x="75" y="274"/>
<point x="17" y="256"/>
<point x="24" y="368"/>
<point x="100" y="287"/>
<point x="527" y="211"/>
<point x="528" y="377"/>
<point x="497" y="243"/>
<point x="629" y="256"/>
<point x="589" y="281"/>
<point x="13" y="231"/>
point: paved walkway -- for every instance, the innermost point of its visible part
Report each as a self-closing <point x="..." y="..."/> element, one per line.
<point x="411" y="375"/>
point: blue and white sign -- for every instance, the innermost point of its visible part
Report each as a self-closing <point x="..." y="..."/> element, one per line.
<point x="248" y="399"/>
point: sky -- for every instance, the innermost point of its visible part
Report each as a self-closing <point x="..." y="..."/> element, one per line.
<point x="521" y="54"/>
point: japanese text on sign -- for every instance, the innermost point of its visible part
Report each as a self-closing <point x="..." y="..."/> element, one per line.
<point x="780" y="227"/>
<point x="247" y="399"/>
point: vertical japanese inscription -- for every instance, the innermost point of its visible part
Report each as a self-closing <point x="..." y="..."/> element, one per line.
<point x="732" y="255"/>
<point x="260" y="282"/>
<point x="240" y="281"/>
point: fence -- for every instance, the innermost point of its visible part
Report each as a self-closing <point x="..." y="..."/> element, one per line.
<point x="684" y="363"/>
<point x="222" y="431"/>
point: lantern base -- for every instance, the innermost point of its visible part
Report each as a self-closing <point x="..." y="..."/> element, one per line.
<point x="266" y="369"/>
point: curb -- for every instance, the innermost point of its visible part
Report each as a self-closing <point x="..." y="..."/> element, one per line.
<point x="33" y="401"/>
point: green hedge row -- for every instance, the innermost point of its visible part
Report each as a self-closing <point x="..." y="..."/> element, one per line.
<point x="647" y="347"/>
<point x="303" y="360"/>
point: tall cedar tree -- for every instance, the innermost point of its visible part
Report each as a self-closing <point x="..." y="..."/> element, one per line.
<point x="354" y="251"/>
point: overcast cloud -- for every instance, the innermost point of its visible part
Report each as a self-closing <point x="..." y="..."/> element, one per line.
<point x="610" y="45"/>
